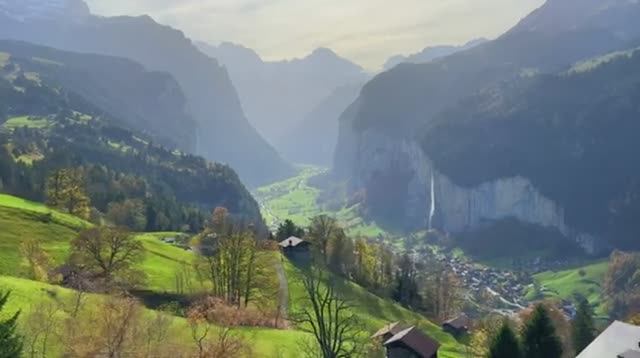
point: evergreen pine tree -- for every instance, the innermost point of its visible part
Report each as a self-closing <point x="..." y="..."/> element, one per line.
<point x="505" y="344"/>
<point x="582" y="326"/>
<point x="539" y="337"/>
<point x="10" y="342"/>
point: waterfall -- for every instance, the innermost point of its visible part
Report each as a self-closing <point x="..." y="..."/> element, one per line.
<point x="432" y="211"/>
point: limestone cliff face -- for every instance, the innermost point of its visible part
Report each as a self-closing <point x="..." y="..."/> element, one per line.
<point x="432" y="199"/>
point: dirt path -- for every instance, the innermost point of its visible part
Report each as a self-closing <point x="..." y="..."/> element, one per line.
<point x="283" y="292"/>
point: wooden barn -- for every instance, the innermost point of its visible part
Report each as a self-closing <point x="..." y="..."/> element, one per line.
<point x="457" y="326"/>
<point x="296" y="249"/>
<point x="406" y="342"/>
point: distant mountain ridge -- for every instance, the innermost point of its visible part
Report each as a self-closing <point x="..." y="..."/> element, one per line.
<point x="60" y="128"/>
<point x="223" y="133"/>
<point x="431" y="53"/>
<point x="155" y="105"/>
<point x="278" y="95"/>
<point x="314" y="139"/>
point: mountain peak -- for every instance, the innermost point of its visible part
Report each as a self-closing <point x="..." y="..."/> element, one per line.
<point x="323" y="52"/>
<point x="431" y="53"/>
<point x="562" y="15"/>
<point x="231" y="53"/>
<point x="327" y="58"/>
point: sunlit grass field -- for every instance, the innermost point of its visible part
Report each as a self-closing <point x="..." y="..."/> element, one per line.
<point x="26" y="121"/>
<point x="586" y="281"/>
<point x="296" y="200"/>
<point x="26" y="294"/>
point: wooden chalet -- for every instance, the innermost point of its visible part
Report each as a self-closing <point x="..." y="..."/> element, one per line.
<point x="457" y="326"/>
<point x="407" y="342"/>
<point x="388" y="331"/>
<point x="296" y="249"/>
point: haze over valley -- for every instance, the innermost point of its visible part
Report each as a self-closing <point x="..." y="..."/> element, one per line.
<point x="365" y="179"/>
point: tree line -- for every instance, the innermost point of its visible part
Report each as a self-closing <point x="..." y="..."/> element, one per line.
<point x="422" y="284"/>
<point x="542" y="332"/>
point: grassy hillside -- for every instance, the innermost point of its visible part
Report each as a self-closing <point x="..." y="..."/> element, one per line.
<point x="14" y="202"/>
<point x="295" y="199"/>
<point x="586" y="281"/>
<point x="22" y="219"/>
<point x="373" y="311"/>
<point x="26" y="294"/>
<point x="162" y="261"/>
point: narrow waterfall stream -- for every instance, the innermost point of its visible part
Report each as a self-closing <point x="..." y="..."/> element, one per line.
<point x="432" y="211"/>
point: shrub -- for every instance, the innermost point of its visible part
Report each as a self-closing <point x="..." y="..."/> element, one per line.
<point x="217" y="311"/>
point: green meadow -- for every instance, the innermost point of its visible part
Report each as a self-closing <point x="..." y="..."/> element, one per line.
<point x="26" y="121"/>
<point x="586" y="281"/>
<point x="295" y="199"/>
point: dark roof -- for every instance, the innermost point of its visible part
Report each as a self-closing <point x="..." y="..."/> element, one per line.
<point x="630" y="354"/>
<point x="419" y="342"/>
<point x="618" y="339"/>
<point x="460" y="322"/>
<point x="292" y="242"/>
<point x="392" y="329"/>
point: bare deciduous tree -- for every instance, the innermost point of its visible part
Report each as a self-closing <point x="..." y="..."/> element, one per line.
<point x="213" y="342"/>
<point x="39" y="327"/>
<point x="229" y="252"/>
<point x="321" y="231"/>
<point x="38" y="259"/>
<point x="155" y="334"/>
<point x="109" y="253"/>
<point x="328" y="317"/>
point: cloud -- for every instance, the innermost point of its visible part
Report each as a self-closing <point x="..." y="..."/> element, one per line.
<point x="367" y="31"/>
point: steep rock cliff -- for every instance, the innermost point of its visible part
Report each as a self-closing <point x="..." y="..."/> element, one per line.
<point x="424" y="197"/>
<point x="572" y="144"/>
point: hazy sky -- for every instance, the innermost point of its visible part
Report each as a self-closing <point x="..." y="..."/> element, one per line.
<point x="365" y="31"/>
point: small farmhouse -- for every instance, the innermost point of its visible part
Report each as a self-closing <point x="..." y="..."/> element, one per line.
<point x="457" y="326"/>
<point x="296" y="249"/>
<point x="388" y="331"/>
<point x="410" y="343"/>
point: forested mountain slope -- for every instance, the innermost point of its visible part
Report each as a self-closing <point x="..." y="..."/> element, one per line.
<point x="149" y="102"/>
<point x="573" y="134"/>
<point x="431" y="53"/>
<point x="380" y="144"/>
<point x="45" y="127"/>
<point x="223" y="133"/>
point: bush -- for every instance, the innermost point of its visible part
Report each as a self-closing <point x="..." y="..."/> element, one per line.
<point x="221" y="313"/>
<point x="46" y="218"/>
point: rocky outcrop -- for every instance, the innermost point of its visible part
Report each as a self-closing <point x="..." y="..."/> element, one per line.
<point x="432" y="200"/>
